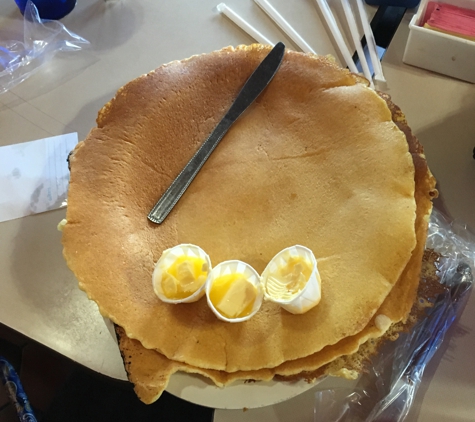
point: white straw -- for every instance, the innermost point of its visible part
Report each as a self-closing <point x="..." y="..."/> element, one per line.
<point x="371" y="43"/>
<point x="331" y="22"/>
<point x="246" y="27"/>
<point x="356" y="40"/>
<point x="284" y="25"/>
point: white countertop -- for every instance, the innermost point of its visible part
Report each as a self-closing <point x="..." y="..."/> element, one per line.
<point x="39" y="295"/>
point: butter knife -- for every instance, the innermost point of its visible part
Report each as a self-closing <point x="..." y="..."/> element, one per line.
<point x="256" y="83"/>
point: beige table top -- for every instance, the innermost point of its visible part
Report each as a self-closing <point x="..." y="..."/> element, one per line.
<point x="38" y="294"/>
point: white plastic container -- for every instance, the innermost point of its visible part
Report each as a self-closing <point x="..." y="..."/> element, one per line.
<point x="167" y="259"/>
<point x="303" y="300"/>
<point x="233" y="267"/>
<point x="439" y="52"/>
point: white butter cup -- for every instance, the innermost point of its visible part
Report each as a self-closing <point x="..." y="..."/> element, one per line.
<point x="310" y="295"/>
<point x="231" y="267"/>
<point x="168" y="257"/>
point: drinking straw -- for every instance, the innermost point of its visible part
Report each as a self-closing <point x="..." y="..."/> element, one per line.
<point x="350" y="18"/>
<point x="331" y="22"/>
<point x="285" y="26"/>
<point x="371" y="43"/>
<point x="245" y="26"/>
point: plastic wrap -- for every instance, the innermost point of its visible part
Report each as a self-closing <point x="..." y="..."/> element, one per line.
<point x="387" y="390"/>
<point x="41" y="41"/>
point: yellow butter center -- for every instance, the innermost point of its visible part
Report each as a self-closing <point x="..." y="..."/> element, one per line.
<point x="184" y="277"/>
<point x="233" y="295"/>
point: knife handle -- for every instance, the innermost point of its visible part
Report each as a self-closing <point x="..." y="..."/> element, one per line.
<point x="178" y="187"/>
<point x="256" y="83"/>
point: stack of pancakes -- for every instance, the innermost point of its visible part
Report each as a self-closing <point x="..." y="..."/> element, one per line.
<point x="319" y="160"/>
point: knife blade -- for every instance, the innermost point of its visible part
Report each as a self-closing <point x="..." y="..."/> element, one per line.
<point x="252" y="88"/>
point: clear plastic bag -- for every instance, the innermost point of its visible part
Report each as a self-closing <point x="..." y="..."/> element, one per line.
<point x="387" y="390"/>
<point x="41" y="41"/>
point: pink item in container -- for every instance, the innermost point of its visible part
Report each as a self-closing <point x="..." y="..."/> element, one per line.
<point x="449" y="19"/>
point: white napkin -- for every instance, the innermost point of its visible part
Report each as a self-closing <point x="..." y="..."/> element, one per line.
<point x="34" y="176"/>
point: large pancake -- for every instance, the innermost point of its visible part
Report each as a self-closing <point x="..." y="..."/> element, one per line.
<point x="150" y="371"/>
<point x="316" y="160"/>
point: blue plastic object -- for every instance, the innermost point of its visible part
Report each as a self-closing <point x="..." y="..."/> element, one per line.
<point x="10" y="379"/>
<point x="408" y="4"/>
<point x="49" y="9"/>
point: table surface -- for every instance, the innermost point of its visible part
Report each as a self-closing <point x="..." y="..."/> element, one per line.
<point x="39" y="296"/>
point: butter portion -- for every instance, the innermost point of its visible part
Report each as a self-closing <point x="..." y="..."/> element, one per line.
<point x="289" y="279"/>
<point x="184" y="277"/>
<point x="61" y="224"/>
<point x="233" y="295"/>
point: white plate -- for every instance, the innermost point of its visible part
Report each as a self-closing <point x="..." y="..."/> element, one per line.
<point x="239" y="395"/>
<point x="297" y="409"/>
